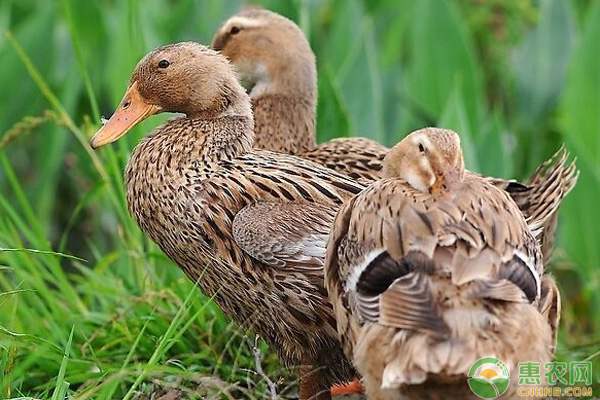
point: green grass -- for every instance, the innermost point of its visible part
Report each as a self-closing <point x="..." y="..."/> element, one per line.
<point x="89" y="308"/>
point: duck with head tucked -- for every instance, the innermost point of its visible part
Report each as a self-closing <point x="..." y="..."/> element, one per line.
<point x="275" y="62"/>
<point x="249" y="226"/>
<point x="432" y="268"/>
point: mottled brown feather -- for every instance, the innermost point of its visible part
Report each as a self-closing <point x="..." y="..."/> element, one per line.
<point x="197" y="188"/>
<point x="474" y="303"/>
<point x="290" y="235"/>
<point x="195" y="211"/>
<point x="542" y="195"/>
<point x="275" y="61"/>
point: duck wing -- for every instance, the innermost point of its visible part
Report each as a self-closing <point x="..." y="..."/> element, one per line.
<point x="289" y="235"/>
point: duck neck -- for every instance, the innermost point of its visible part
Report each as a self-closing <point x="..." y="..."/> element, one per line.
<point x="223" y="138"/>
<point x="283" y="123"/>
<point x="206" y="141"/>
<point x="225" y="132"/>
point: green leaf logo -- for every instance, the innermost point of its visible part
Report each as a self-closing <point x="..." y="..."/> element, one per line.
<point x="489" y="378"/>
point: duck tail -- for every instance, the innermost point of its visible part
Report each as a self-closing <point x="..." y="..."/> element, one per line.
<point x="540" y="198"/>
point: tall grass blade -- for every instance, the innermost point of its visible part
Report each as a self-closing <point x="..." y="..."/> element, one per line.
<point x="61" y="385"/>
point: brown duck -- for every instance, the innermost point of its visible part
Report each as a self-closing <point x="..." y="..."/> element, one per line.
<point x="275" y="62"/>
<point x="433" y="268"/>
<point x="250" y="226"/>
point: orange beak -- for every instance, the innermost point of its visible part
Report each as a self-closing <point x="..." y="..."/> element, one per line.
<point x="131" y="111"/>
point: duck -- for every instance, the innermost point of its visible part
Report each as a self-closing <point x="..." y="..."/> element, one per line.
<point x="248" y="226"/>
<point x="276" y="64"/>
<point x="432" y="268"/>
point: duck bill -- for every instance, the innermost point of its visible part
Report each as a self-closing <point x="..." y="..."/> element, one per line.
<point x="131" y="111"/>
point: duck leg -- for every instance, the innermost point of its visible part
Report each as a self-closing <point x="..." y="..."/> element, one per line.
<point x="347" y="389"/>
<point x="311" y="387"/>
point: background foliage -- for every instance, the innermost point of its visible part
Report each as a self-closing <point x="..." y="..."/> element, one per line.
<point x="90" y="308"/>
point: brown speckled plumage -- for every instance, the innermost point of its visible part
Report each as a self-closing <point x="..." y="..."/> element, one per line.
<point x="273" y="121"/>
<point x="433" y="268"/>
<point x="540" y="198"/>
<point x="273" y="58"/>
<point x="196" y="188"/>
<point x="186" y="200"/>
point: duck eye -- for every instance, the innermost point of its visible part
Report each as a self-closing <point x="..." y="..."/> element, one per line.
<point x="235" y="30"/>
<point x="163" y="64"/>
<point x="421" y="148"/>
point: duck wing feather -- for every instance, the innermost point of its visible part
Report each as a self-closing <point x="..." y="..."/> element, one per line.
<point x="541" y="196"/>
<point x="289" y="235"/>
<point x="358" y="158"/>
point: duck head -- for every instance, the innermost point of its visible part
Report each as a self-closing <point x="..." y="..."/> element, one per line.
<point x="269" y="52"/>
<point x="186" y="78"/>
<point x="429" y="159"/>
